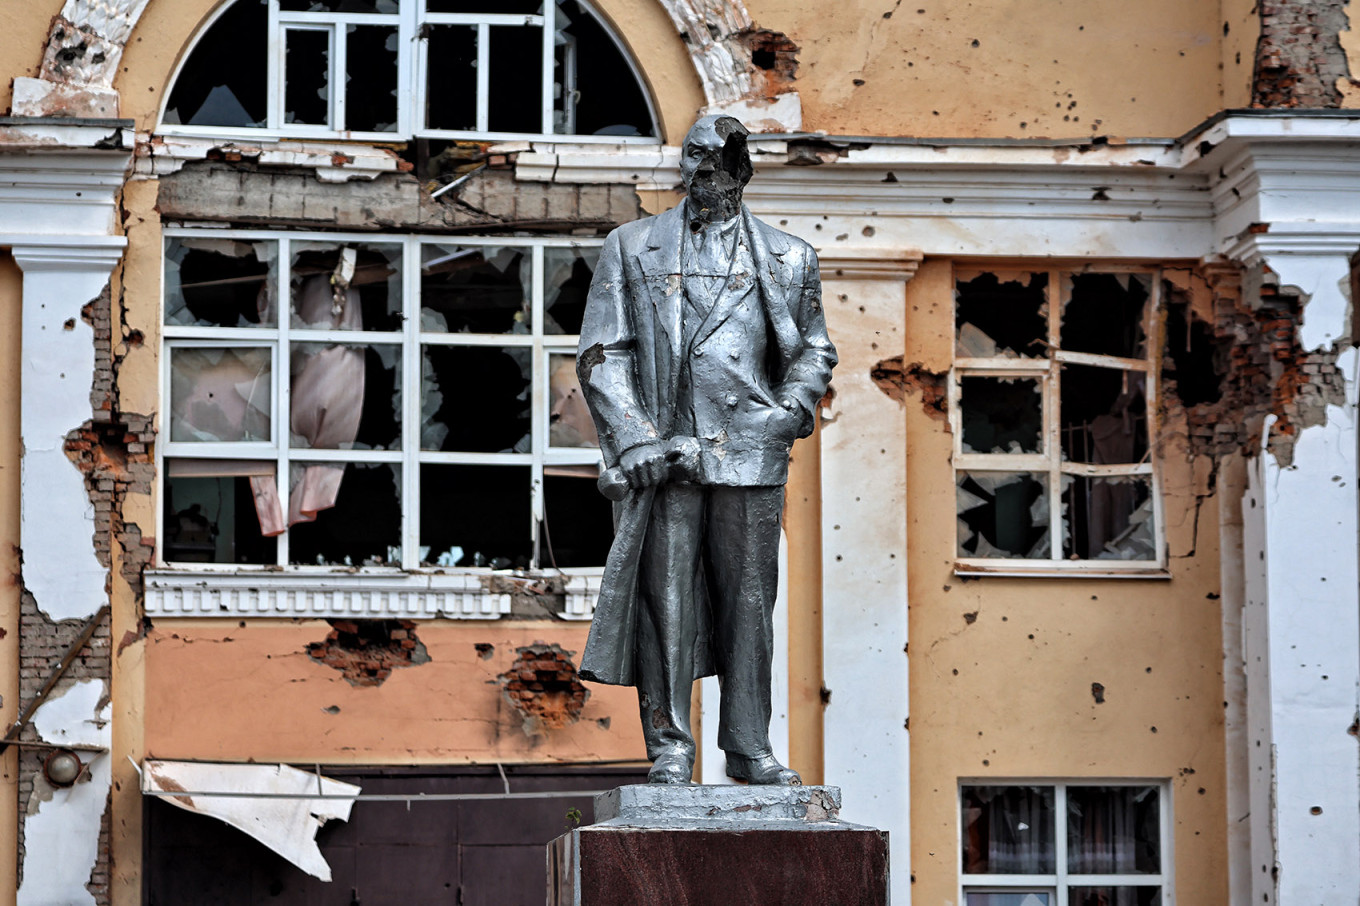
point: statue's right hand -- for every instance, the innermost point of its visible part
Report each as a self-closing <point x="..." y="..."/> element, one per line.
<point x="644" y="465"/>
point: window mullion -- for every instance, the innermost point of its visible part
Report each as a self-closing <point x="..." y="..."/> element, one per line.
<point x="412" y="393"/>
<point x="1057" y="520"/>
<point x="538" y="406"/>
<point x="410" y="70"/>
<point x="483" y="77"/>
<point x="275" y="75"/>
<point x="549" y="31"/>
<point x="284" y="381"/>
<point x="1060" y="843"/>
<point x="339" y="32"/>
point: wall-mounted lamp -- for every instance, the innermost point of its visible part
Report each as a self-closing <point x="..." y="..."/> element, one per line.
<point x="62" y="767"/>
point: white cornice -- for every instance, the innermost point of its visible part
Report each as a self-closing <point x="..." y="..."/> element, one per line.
<point x="869" y="263"/>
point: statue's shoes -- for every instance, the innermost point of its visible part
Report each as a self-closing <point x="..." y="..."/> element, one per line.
<point x="763" y="769"/>
<point x="672" y="766"/>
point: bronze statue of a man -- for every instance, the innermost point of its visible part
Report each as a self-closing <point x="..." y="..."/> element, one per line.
<point x="703" y="355"/>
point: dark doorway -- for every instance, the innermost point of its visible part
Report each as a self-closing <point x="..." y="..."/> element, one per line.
<point x="470" y="852"/>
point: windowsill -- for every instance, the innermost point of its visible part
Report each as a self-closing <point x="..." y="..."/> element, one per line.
<point x="1075" y="569"/>
<point x="368" y="593"/>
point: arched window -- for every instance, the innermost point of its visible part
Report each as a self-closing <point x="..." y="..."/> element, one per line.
<point x="380" y="70"/>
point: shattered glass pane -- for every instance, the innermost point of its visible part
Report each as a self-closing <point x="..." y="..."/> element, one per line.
<point x="1108" y="518"/>
<point x="371" y="84"/>
<point x="996" y="317"/>
<point x="475" y="516"/>
<point x="579" y="522"/>
<point x="211" y="519"/>
<point x="206" y="93"/>
<point x="1103" y="314"/>
<point x="527" y="7"/>
<point x="1008" y="830"/>
<point x="1103" y="415"/>
<point x="354" y="512"/>
<point x="1113" y="830"/>
<point x="569" y="421"/>
<point x="1115" y="896"/>
<point x="340" y="6"/>
<point x="1002" y="415"/>
<point x="220" y="393"/>
<point x="566" y="281"/>
<point x="354" y="286"/>
<point x="220" y="282"/>
<point x="307" y="91"/>
<point x="475" y="289"/>
<point x="478" y="396"/>
<point x="346" y="397"/>
<point x="1008" y="898"/>
<point x="451" y="85"/>
<point x="516" y="79"/>
<point x="1003" y="514"/>
<point x="609" y="99"/>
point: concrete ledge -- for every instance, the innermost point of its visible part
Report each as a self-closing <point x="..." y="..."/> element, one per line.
<point x="652" y="804"/>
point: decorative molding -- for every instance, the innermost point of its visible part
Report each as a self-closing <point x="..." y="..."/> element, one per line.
<point x="272" y="594"/>
<point x="869" y="263"/>
<point x="334" y="162"/>
<point x="84" y="48"/>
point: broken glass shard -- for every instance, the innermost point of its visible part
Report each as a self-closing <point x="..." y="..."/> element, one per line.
<point x="482" y="512"/>
<point x="569" y="420"/>
<point x="1103" y="314"/>
<point x="352" y="286"/>
<point x="220" y="282"/>
<point x="1001" y="314"/>
<point x="601" y="94"/>
<point x="567" y="273"/>
<point x="206" y="93"/>
<point x="344" y="515"/>
<point x="1108" y="518"/>
<point x="997" y="515"/>
<point x="220" y="394"/>
<point x="1002" y="415"/>
<point x="484" y="398"/>
<point x="1104" y="415"/>
<point x="346" y="397"/>
<point x="475" y="289"/>
<point x="307" y="79"/>
<point x="451" y="85"/>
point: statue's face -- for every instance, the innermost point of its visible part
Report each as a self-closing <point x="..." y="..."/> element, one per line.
<point x="715" y="164"/>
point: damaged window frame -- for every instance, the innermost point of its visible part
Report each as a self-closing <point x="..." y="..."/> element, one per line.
<point x="411" y="339"/>
<point x="413" y="24"/>
<point x="1050" y="462"/>
<point x="1059" y="883"/>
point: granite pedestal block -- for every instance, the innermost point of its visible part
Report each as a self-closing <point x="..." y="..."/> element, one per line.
<point x="691" y="845"/>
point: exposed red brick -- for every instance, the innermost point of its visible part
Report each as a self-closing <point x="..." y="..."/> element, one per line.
<point x="543" y="686"/>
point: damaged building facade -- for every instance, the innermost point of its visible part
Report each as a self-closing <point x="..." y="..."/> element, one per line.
<point x="299" y="487"/>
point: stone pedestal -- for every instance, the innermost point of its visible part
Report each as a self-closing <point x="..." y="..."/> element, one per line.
<point x="696" y="845"/>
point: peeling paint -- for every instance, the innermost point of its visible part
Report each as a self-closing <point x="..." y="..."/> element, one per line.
<point x="897" y="380"/>
<point x="367" y="651"/>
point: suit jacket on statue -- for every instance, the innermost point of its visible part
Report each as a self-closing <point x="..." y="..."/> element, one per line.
<point x="763" y="341"/>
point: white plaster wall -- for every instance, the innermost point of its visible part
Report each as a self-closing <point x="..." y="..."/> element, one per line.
<point x="61" y="831"/>
<point x="57" y="518"/>
<point x="1312" y="623"/>
<point x="864" y="569"/>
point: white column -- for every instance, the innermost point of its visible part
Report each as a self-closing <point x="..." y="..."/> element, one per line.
<point x="1301" y="622"/>
<point x="864" y="552"/>
<point x="57" y="517"/>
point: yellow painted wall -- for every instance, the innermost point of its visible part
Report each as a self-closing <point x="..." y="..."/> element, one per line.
<point x="11" y="308"/>
<point x="217" y="690"/>
<point x="23" y="36"/>
<point x="1062" y="68"/>
<point x="1009" y="695"/>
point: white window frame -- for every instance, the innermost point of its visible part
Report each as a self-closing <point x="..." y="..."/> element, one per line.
<point x="412" y="70"/>
<point x="1059" y="883"/>
<point x="1048" y="372"/>
<point x="410" y="457"/>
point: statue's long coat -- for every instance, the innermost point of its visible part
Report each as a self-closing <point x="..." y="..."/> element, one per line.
<point x="629" y="363"/>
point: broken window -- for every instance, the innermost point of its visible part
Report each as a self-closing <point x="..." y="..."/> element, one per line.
<point x="433" y="422"/>
<point x="443" y="69"/>
<point x="1051" y="406"/>
<point x="1064" y="844"/>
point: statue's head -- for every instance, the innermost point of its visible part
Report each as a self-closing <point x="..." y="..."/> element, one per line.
<point x="715" y="166"/>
